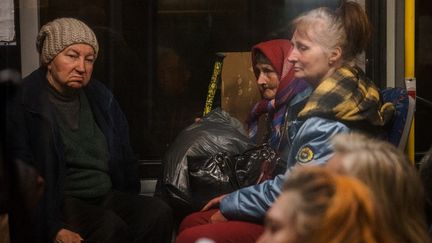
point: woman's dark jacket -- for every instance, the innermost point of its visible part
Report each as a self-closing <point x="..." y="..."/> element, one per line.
<point x="33" y="137"/>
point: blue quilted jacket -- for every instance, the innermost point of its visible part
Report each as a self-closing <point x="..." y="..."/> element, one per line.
<point x="305" y="142"/>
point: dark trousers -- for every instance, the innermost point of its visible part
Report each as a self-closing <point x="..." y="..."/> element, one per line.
<point x="119" y="217"/>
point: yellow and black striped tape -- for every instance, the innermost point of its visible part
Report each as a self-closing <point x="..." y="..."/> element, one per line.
<point x="217" y="70"/>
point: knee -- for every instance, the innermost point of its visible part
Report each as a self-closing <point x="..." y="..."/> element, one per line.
<point x="113" y="223"/>
<point x="111" y="228"/>
<point x="196" y="219"/>
<point x="162" y="213"/>
<point x="194" y="234"/>
<point x="155" y="225"/>
<point x="188" y="222"/>
<point x="153" y="215"/>
<point x="186" y="236"/>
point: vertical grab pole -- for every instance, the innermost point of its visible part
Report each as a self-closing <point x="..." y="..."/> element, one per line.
<point x="214" y="84"/>
<point x="410" y="80"/>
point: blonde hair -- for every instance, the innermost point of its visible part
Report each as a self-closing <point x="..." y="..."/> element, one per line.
<point x="331" y="28"/>
<point x="395" y="183"/>
<point x="332" y="208"/>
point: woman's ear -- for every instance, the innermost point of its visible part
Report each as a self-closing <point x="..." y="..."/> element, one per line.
<point x="335" y="55"/>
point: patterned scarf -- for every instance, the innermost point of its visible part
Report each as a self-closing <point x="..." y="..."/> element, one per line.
<point x="277" y="52"/>
<point x="348" y="96"/>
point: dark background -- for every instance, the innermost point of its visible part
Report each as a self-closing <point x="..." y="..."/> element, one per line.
<point x="157" y="56"/>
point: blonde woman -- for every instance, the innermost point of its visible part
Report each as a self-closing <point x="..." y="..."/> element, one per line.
<point x="319" y="206"/>
<point x="394" y="182"/>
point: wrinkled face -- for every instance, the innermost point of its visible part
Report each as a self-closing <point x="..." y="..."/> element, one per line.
<point x="72" y="68"/>
<point x="310" y="61"/>
<point x="279" y="225"/>
<point x="267" y="80"/>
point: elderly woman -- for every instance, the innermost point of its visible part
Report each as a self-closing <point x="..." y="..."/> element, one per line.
<point x="280" y="94"/>
<point x="343" y="99"/>
<point x="73" y="131"/>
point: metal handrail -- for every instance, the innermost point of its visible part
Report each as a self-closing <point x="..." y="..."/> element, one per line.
<point x="425" y="101"/>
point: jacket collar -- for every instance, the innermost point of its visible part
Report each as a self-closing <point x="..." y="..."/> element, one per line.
<point x="301" y="96"/>
<point x="35" y="93"/>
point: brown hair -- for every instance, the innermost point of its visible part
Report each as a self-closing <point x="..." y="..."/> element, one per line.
<point x="332" y="208"/>
<point x="394" y="182"/>
<point x="331" y="28"/>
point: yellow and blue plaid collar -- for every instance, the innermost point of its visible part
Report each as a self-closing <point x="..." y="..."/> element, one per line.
<point x="348" y="95"/>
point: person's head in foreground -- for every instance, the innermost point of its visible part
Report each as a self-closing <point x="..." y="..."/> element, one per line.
<point x="317" y="205"/>
<point x="394" y="182"/>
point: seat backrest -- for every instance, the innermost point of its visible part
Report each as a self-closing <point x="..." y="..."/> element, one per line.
<point x="239" y="89"/>
<point x="400" y="125"/>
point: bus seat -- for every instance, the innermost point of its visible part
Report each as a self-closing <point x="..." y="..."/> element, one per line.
<point x="400" y="125"/>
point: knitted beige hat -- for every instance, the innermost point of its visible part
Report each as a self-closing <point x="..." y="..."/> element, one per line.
<point x="60" y="33"/>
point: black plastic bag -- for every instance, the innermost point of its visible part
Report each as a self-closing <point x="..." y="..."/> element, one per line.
<point x="210" y="177"/>
<point x="257" y="165"/>
<point x="221" y="174"/>
<point x="217" y="132"/>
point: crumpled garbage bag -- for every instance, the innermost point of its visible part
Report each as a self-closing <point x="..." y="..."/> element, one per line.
<point x="217" y="132"/>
